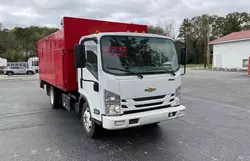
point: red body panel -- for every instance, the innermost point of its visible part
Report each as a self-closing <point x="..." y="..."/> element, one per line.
<point x="249" y="66"/>
<point x="56" y="51"/>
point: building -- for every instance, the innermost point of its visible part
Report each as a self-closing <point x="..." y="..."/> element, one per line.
<point x="232" y="51"/>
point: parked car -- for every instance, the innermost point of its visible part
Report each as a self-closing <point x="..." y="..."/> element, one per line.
<point x="2" y="70"/>
<point x="18" y="70"/>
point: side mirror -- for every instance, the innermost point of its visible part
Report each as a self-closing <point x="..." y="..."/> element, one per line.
<point x="79" y="56"/>
<point x="183" y="56"/>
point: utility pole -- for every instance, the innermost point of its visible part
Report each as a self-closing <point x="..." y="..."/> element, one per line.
<point x="208" y="39"/>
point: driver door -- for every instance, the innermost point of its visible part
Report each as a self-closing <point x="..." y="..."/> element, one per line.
<point x="21" y="70"/>
<point x="90" y="72"/>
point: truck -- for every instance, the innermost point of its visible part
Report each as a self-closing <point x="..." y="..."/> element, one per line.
<point x="113" y="75"/>
<point x="33" y="63"/>
<point x="3" y="65"/>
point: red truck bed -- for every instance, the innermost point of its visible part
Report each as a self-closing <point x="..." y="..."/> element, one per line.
<point x="56" y="51"/>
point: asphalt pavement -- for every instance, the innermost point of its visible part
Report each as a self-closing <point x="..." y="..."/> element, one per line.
<point x="216" y="126"/>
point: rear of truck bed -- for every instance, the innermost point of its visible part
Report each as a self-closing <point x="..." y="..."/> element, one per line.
<point x="56" y="51"/>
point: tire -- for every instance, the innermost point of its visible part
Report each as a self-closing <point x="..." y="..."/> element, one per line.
<point x="77" y="109"/>
<point x="153" y="124"/>
<point x="55" y="98"/>
<point x="30" y="73"/>
<point x="47" y="89"/>
<point x="90" y="128"/>
<point x="10" y="73"/>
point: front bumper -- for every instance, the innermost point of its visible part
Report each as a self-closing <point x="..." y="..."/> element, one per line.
<point x="142" y="118"/>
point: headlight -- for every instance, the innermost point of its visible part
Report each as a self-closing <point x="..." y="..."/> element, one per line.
<point x="177" y="97"/>
<point x="112" y="103"/>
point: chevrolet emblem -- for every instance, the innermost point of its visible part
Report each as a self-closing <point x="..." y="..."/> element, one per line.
<point x="149" y="89"/>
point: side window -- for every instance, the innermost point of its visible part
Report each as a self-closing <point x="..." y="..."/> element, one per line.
<point x="91" y="57"/>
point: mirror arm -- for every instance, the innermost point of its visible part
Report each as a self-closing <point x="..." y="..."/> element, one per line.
<point x="86" y="80"/>
<point x="81" y="85"/>
<point x="81" y="78"/>
<point x="184" y="72"/>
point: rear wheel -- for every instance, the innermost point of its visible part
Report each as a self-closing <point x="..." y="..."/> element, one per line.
<point x="90" y="127"/>
<point x="55" y="98"/>
<point x="30" y="73"/>
<point x="10" y="73"/>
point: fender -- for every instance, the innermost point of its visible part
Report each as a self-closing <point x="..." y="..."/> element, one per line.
<point x="82" y="100"/>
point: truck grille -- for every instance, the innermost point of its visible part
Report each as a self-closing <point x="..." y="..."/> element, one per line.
<point x="149" y="98"/>
<point x="149" y="104"/>
<point x="144" y="110"/>
<point x="134" y="105"/>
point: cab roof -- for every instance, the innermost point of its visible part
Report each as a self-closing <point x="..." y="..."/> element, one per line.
<point x="99" y="35"/>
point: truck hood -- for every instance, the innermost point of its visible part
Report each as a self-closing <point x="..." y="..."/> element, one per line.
<point x="147" y="87"/>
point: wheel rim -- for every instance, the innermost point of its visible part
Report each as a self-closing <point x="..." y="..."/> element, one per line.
<point x="87" y="120"/>
<point x="29" y="73"/>
<point x="52" y="96"/>
<point x="10" y="73"/>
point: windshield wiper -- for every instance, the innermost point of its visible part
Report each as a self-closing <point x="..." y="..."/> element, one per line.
<point x="165" y="70"/>
<point x="171" y="72"/>
<point x="128" y="71"/>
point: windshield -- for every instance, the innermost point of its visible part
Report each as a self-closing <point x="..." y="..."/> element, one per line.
<point x="138" y="54"/>
<point x="34" y="63"/>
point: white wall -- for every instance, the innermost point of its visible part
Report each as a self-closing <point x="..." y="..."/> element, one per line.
<point x="230" y="55"/>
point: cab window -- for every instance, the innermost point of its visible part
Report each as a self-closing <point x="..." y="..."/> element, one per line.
<point x="91" y="57"/>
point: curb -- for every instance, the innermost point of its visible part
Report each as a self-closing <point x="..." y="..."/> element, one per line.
<point x="19" y="78"/>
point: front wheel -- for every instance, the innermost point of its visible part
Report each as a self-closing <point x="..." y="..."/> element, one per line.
<point x="29" y="73"/>
<point x="54" y="98"/>
<point x="90" y="127"/>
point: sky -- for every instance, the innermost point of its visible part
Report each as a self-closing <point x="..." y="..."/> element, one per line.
<point x="23" y="13"/>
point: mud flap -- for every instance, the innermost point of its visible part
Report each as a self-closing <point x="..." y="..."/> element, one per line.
<point x="66" y="102"/>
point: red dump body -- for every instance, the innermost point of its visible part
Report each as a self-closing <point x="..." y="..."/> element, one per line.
<point x="56" y="51"/>
<point x="249" y="66"/>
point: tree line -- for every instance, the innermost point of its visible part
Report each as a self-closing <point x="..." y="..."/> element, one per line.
<point x="18" y="44"/>
<point x="198" y="31"/>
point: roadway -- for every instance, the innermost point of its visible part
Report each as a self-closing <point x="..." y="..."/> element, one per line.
<point x="215" y="128"/>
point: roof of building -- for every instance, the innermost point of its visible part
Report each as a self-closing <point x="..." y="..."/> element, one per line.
<point x="235" y="36"/>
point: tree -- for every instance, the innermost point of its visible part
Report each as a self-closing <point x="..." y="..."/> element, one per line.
<point x="1" y="26"/>
<point x="156" y="30"/>
<point x="18" y="44"/>
<point x="232" y="23"/>
<point x="165" y="27"/>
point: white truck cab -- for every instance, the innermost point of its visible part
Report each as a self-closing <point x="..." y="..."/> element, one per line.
<point x="127" y="79"/>
<point x="33" y="63"/>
